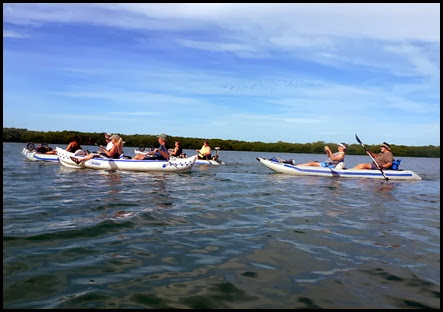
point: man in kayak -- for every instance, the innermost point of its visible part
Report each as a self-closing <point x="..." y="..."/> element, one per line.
<point x="333" y="159"/>
<point x="160" y="153"/>
<point x="383" y="159"/>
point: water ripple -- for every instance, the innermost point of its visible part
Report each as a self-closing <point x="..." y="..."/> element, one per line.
<point x="232" y="236"/>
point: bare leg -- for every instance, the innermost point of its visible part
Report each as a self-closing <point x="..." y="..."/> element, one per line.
<point x="79" y="160"/>
<point x="362" y="166"/>
<point x="138" y="157"/>
<point x="311" y="164"/>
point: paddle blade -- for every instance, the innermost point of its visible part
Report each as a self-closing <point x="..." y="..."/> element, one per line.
<point x="358" y="140"/>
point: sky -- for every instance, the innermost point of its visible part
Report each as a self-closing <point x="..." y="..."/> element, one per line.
<point x="296" y="73"/>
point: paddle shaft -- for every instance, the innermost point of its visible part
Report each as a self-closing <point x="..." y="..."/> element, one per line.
<point x="373" y="160"/>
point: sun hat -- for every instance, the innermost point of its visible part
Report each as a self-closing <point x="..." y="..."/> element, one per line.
<point x="386" y="145"/>
<point x="344" y="145"/>
<point x="107" y="135"/>
<point x="163" y="136"/>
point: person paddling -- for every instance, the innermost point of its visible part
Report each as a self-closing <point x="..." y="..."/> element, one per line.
<point x="383" y="159"/>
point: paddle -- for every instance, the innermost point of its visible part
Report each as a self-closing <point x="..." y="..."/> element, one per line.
<point x="373" y="160"/>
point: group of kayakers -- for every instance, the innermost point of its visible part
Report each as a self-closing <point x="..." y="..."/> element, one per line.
<point x="114" y="150"/>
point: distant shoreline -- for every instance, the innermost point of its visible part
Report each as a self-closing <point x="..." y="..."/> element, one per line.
<point x="20" y="135"/>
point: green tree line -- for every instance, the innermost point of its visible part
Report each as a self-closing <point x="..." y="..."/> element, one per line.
<point x="147" y="140"/>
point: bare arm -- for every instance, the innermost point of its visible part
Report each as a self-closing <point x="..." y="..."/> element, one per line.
<point x="387" y="165"/>
<point x="337" y="157"/>
<point x="163" y="153"/>
<point x="110" y="152"/>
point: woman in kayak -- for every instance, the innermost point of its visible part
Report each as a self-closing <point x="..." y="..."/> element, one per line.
<point x="333" y="159"/>
<point x="114" y="153"/>
<point x="205" y="151"/>
<point x="177" y="151"/>
<point x="73" y="145"/>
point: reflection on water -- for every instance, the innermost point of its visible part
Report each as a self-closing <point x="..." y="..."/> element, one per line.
<point x="231" y="236"/>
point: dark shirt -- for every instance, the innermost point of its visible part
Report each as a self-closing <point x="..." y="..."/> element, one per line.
<point x="157" y="155"/>
<point x="75" y="149"/>
<point x="179" y="152"/>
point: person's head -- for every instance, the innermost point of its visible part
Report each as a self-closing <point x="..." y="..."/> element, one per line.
<point x="342" y="146"/>
<point x="385" y="147"/>
<point x="107" y="137"/>
<point x="162" y="138"/>
<point x="74" y="139"/>
<point x="206" y="142"/>
<point x="116" y="139"/>
<point x="177" y="143"/>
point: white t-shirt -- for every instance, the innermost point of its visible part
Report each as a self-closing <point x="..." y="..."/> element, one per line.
<point x="109" y="146"/>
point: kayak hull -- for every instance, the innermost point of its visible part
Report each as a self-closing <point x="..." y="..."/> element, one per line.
<point x="172" y="165"/>
<point x="34" y="156"/>
<point x="209" y="162"/>
<point x="332" y="172"/>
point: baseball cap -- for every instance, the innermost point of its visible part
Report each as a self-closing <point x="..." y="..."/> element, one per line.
<point x="163" y="136"/>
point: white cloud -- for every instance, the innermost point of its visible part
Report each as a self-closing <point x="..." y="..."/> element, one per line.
<point x="380" y="21"/>
<point x="134" y="113"/>
<point x="240" y="49"/>
<point x="379" y="57"/>
<point x="14" y="34"/>
<point x="418" y="58"/>
<point x="276" y="118"/>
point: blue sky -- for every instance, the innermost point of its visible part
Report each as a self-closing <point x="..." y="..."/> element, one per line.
<point x="254" y="72"/>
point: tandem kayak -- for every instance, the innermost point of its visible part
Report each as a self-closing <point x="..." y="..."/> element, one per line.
<point x="172" y="165"/>
<point x="34" y="156"/>
<point x="293" y="169"/>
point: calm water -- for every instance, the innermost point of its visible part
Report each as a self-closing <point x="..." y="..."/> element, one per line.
<point x="232" y="236"/>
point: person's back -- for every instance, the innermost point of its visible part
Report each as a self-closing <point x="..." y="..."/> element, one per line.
<point x="73" y="145"/>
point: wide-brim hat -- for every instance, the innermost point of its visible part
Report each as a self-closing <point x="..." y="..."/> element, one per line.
<point x="386" y="145"/>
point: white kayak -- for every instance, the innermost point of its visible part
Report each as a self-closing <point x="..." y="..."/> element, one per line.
<point x="171" y="165"/>
<point x="34" y="156"/>
<point x="210" y="162"/>
<point x="293" y="169"/>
